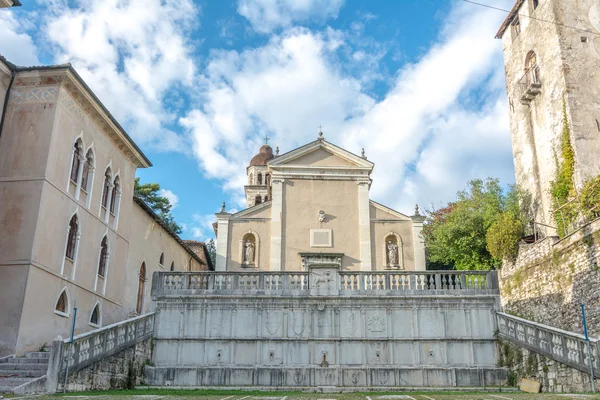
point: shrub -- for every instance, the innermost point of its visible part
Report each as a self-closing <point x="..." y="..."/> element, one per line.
<point x="503" y="237"/>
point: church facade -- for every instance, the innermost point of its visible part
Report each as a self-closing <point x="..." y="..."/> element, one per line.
<point x="314" y="202"/>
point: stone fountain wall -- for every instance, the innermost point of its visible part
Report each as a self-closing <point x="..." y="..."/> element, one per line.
<point x="324" y="328"/>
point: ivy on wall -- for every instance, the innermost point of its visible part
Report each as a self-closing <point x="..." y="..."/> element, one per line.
<point x="562" y="189"/>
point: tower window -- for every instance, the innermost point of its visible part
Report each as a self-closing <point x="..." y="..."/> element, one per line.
<point x="257" y="200"/>
<point x="259" y="179"/>
<point x="534" y="4"/>
<point x="516" y="26"/>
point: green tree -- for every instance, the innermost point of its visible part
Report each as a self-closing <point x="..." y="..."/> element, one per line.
<point x="456" y="235"/>
<point x="149" y="192"/>
<point x="212" y="251"/>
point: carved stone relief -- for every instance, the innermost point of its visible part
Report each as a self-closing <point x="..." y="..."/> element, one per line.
<point x="376" y="324"/>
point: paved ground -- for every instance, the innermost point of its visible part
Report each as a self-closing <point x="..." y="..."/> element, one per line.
<point x="213" y="395"/>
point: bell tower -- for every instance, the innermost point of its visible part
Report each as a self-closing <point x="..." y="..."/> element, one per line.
<point x="551" y="57"/>
<point x="258" y="189"/>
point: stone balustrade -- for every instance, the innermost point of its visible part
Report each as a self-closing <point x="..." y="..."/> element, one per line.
<point x="565" y="347"/>
<point x="88" y="348"/>
<point x="343" y="283"/>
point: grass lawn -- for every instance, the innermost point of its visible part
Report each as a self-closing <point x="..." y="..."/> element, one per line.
<point x="176" y="394"/>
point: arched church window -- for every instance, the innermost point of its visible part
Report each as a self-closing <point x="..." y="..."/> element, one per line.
<point x="257" y="200"/>
<point x="266" y="198"/>
<point x="259" y="179"/>
<point x="249" y="250"/>
<point x="172" y="265"/>
<point x="392" y="247"/>
<point x="161" y="260"/>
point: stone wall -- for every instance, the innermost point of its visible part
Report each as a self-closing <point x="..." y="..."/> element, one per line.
<point x="554" y="376"/>
<point x="551" y="278"/>
<point x="123" y="370"/>
<point x="326" y="328"/>
<point x="546" y="284"/>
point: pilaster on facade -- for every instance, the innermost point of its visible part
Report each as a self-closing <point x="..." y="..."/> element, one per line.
<point x="364" y="225"/>
<point x="222" y="240"/>
<point x="418" y="241"/>
<point x="276" y="223"/>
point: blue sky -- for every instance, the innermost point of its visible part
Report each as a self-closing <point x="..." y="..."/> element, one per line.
<point x="418" y="83"/>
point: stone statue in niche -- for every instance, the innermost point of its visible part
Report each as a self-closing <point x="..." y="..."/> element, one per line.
<point x="392" y="253"/>
<point x="248" y="253"/>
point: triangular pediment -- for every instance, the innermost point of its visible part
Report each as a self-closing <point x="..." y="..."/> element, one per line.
<point x="258" y="211"/>
<point x="321" y="154"/>
<point x="381" y="212"/>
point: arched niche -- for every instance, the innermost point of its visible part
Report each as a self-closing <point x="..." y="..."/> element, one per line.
<point x="392" y="247"/>
<point x="249" y="250"/>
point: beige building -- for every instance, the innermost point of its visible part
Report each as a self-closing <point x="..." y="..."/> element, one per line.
<point x="314" y="201"/>
<point x="9" y="3"/>
<point x="551" y="58"/>
<point x="71" y="229"/>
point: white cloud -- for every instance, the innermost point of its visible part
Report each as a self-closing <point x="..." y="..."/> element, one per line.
<point x="430" y="133"/>
<point x="133" y="50"/>
<point x="16" y="45"/>
<point x="268" y="15"/>
<point x="203" y="229"/>
<point x="172" y="197"/>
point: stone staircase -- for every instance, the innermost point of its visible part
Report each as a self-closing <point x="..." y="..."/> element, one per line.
<point x="18" y="371"/>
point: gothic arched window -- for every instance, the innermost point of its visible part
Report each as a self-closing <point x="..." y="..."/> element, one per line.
<point x="106" y="189"/>
<point x="172" y="265"/>
<point x="141" y="285"/>
<point x="62" y="304"/>
<point x="76" y="163"/>
<point x="103" y="257"/>
<point x="161" y="260"/>
<point x="88" y="168"/>
<point x="72" y="238"/>
<point x="95" y="319"/>
<point x="114" y="199"/>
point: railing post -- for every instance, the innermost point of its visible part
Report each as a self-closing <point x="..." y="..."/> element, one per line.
<point x="56" y="356"/>
<point x="438" y="280"/>
<point x="492" y="280"/>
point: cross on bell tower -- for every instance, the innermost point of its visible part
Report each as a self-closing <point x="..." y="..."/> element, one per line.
<point x="266" y="138"/>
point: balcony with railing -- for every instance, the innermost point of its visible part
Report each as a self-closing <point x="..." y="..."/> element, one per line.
<point x="529" y="85"/>
<point x="331" y="282"/>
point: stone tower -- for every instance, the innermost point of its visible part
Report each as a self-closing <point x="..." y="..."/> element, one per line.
<point x="552" y="63"/>
<point x="258" y="188"/>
